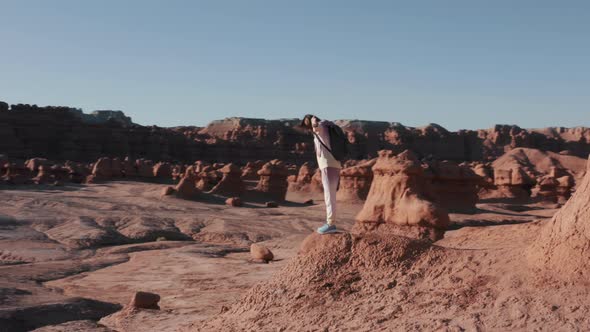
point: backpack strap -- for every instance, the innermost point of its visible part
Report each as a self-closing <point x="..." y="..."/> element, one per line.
<point x="323" y="144"/>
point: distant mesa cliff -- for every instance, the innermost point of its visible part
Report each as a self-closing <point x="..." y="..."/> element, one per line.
<point x="63" y="133"/>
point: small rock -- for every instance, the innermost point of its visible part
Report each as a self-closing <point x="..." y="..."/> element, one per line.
<point x="145" y="300"/>
<point x="272" y="204"/>
<point x="260" y="252"/>
<point x="234" y="201"/>
<point x="308" y="202"/>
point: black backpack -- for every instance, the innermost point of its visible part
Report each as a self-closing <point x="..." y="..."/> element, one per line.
<point x="338" y="142"/>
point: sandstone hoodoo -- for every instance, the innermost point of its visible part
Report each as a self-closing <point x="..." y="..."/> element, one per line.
<point x="316" y="182"/>
<point x="43" y="176"/>
<point x="302" y="181"/>
<point x="231" y="183"/>
<point x="401" y="200"/>
<point x="511" y="185"/>
<point x="102" y="169"/>
<point x="355" y="182"/>
<point x="250" y="171"/>
<point x="145" y="168"/>
<point x="186" y="188"/>
<point x="129" y="167"/>
<point x="455" y="186"/>
<point x="33" y="164"/>
<point x="209" y="177"/>
<point x="163" y="170"/>
<point x="563" y="246"/>
<point x="273" y="180"/>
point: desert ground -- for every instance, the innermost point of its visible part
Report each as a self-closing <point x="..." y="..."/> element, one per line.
<point x="64" y="269"/>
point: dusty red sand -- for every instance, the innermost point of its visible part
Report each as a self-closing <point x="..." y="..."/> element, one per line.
<point x="99" y="242"/>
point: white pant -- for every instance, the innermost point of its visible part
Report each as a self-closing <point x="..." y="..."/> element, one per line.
<point x="330" y="179"/>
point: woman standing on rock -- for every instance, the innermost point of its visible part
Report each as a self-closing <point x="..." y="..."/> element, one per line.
<point x="330" y="148"/>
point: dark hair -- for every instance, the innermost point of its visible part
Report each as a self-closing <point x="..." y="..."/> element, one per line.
<point x="306" y="122"/>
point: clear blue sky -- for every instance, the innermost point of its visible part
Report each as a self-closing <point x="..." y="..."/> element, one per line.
<point x="461" y="64"/>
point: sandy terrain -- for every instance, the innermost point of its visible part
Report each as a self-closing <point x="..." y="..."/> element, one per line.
<point x="75" y="254"/>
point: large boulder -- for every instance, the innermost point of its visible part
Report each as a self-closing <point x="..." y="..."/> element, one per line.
<point x="259" y="252"/>
<point x="129" y="166"/>
<point x="34" y="164"/>
<point x="145" y="300"/>
<point x="401" y="200"/>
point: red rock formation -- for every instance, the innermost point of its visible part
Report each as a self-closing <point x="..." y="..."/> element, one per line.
<point x="302" y="181"/>
<point x="316" y="185"/>
<point x="231" y="183"/>
<point x="455" y="186"/>
<point x="355" y="182"/>
<point x="250" y="171"/>
<point x="34" y="164"/>
<point x="145" y="168"/>
<point x="177" y="172"/>
<point x="514" y="184"/>
<point x="401" y="200"/>
<point x="44" y="176"/>
<point x="186" y="188"/>
<point x="129" y="166"/>
<point x="563" y="246"/>
<point x="86" y="137"/>
<point x="273" y="180"/>
<point x="208" y="178"/>
<point x="77" y="172"/>
<point x="163" y="170"/>
<point x="555" y="187"/>
<point x="16" y="174"/>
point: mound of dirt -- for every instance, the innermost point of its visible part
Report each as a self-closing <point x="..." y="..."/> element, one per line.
<point x="563" y="245"/>
<point x="329" y="272"/>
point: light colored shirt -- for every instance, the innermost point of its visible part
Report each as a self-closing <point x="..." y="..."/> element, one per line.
<point x="323" y="155"/>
